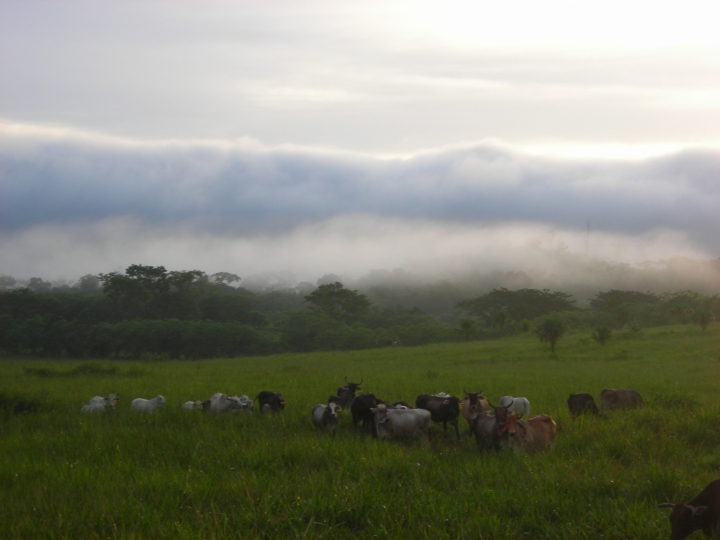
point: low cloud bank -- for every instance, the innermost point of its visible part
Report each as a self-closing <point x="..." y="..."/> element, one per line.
<point x="72" y="205"/>
<point x="247" y="189"/>
<point x="366" y="251"/>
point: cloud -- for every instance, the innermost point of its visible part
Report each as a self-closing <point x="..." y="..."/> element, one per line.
<point x="248" y="189"/>
<point x="72" y="203"/>
<point x="383" y="76"/>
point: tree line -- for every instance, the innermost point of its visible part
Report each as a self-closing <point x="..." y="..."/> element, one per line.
<point x="152" y="313"/>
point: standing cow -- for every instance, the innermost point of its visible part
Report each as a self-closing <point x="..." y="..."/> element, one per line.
<point x="491" y="429"/>
<point x="148" y="405"/>
<point x="536" y="433"/>
<point x="325" y="416"/>
<point x="582" y="403"/>
<point x="361" y="410"/>
<point x="702" y="513"/>
<point x="473" y="404"/>
<point x="270" y="402"/>
<point x="401" y="423"/>
<point x="442" y="409"/>
<point x="612" y="399"/>
<point x="346" y="394"/>
<point x="520" y="406"/>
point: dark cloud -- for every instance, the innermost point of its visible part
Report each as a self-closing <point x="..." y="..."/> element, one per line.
<point x="247" y="189"/>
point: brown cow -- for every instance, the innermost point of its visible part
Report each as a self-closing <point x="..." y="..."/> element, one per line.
<point x="473" y="404"/>
<point x="536" y="433"/>
<point x="703" y="512"/>
<point x="612" y="399"/>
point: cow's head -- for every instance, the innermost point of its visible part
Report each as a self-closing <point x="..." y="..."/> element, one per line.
<point x="353" y="387"/>
<point x="501" y="419"/>
<point x="683" y="519"/>
<point x="334" y="408"/>
<point x="473" y="399"/>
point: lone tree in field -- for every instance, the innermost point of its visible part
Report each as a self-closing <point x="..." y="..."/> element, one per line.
<point x="550" y="330"/>
<point x="335" y="301"/>
<point x="602" y="335"/>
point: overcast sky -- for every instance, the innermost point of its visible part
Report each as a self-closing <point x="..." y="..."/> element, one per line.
<point x="316" y="137"/>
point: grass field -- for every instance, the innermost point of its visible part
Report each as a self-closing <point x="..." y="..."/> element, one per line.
<point x="183" y="474"/>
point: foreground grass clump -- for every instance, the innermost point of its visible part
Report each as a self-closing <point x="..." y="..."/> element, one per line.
<point x="182" y="474"/>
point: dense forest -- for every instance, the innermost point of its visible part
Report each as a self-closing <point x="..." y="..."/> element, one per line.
<point x="151" y="313"/>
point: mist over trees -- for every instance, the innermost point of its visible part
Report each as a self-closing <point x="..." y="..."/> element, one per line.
<point x="153" y="313"/>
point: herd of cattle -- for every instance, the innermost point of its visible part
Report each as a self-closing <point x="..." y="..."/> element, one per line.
<point x="503" y="426"/>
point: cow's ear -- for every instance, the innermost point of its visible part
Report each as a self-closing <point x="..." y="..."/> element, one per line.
<point x="446" y="402"/>
<point x="385" y="420"/>
<point x="700" y="510"/>
<point x="373" y="409"/>
<point x="338" y="409"/>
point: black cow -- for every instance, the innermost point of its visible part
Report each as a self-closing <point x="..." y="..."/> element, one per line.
<point x="270" y="401"/>
<point x="491" y="429"/>
<point x="582" y="403"/>
<point x="702" y="513"/>
<point x="362" y="410"/>
<point x="346" y="394"/>
<point x="442" y="409"/>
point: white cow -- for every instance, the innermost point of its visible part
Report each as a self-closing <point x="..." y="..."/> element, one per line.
<point x="401" y="423"/>
<point x="192" y="405"/>
<point x="220" y="403"/>
<point x="93" y="407"/>
<point x="242" y="403"/>
<point x="325" y="416"/>
<point x="147" y="405"/>
<point x="99" y="403"/>
<point x="519" y="405"/>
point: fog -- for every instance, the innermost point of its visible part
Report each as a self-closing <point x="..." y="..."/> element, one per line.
<point x="75" y="203"/>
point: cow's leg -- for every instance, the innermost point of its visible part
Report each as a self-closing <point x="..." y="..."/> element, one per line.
<point x="457" y="431"/>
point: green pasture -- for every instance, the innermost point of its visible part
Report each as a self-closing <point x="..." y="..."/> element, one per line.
<point x="183" y="474"/>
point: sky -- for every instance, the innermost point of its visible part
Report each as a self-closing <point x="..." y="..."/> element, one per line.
<point x="317" y="137"/>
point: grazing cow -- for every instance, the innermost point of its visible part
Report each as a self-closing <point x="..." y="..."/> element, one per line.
<point x="401" y="423"/>
<point x="270" y="402"/>
<point x="192" y="405"/>
<point x="346" y="394"/>
<point x="702" y="513"/>
<point x="612" y="399"/>
<point x="582" y="403"/>
<point x="325" y="416"/>
<point x="536" y="433"/>
<point x="442" y="409"/>
<point x="491" y="429"/>
<point x="520" y="406"/>
<point x="147" y="405"/>
<point x="361" y="410"/>
<point x="242" y="403"/>
<point x="473" y="404"/>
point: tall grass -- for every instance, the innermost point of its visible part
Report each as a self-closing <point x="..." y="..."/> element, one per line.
<point x="183" y="474"/>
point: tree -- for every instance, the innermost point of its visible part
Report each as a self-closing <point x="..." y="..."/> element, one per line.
<point x="550" y="330"/>
<point x="703" y="318"/>
<point x="522" y="304"/>
<point x="88" y="284"/>
<point x="602" y="335"/>
<point x="467" y="328"/>
<point x="335" y="301"/>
